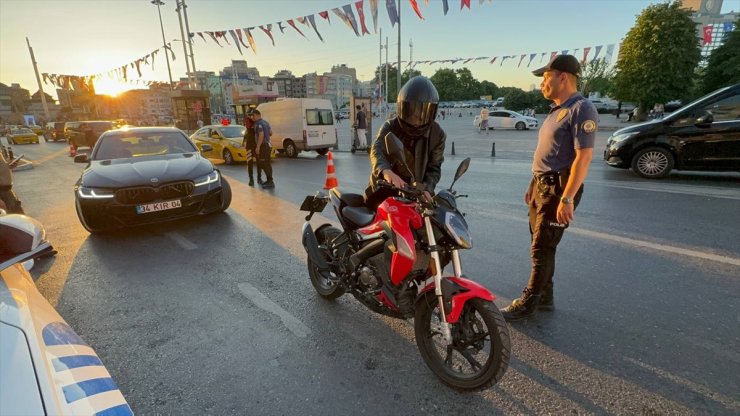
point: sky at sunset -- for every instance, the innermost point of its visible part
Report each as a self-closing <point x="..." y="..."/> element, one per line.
<point x="95" y="36"/>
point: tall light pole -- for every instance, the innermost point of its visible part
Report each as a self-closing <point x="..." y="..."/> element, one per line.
<point x="190" y="42"/>
<point x="184" y="44"/>
<point x="398" y="77"/>
<point x="159" y="3"/>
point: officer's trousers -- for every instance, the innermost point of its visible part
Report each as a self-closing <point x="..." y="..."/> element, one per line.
<point x="544" y="229"/>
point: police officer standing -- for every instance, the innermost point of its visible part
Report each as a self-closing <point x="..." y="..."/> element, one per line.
<point x="560" y="165"/>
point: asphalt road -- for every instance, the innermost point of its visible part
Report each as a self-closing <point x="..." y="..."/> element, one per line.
<point x="216" y="315"/>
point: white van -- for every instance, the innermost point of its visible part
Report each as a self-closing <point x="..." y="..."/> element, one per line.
<point x="300" y="124"/>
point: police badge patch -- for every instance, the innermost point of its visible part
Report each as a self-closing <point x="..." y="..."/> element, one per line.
<point x="589" y="126"/>
<point x="562" y="114"/>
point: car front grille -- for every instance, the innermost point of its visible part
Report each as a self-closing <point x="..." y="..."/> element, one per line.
<point x="146" y="194"/>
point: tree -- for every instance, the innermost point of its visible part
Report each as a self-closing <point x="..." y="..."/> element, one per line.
<point x="656" y="56"/>
<point x="468" y="86"/>
<point x="489" y="88"/>
<point x="516" y="100"/>
<point x="596" y="76"/>
<point x="723" y="67"/>
<point x="445" y="80"/>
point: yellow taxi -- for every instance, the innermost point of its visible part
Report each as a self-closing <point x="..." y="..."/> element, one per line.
<point x="225" y="141"/>
<point x="36" y="129"/>
<point x="22" y="135"/>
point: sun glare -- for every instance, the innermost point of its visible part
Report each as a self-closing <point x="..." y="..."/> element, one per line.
<point x="110" y="87"/>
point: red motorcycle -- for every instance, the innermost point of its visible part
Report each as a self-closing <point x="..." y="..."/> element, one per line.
<point x="392" y="261"/>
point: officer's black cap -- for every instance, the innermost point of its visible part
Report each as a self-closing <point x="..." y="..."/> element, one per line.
<point x="562" y="63"/>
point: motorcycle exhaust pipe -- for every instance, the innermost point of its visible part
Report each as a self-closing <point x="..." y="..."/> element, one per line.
<point x="374" y="248"/>
<point x="312" y="248"/>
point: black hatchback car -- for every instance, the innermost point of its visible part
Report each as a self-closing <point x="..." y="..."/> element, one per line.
<point x="146" y="175"/>
<point x="702" y="135"/>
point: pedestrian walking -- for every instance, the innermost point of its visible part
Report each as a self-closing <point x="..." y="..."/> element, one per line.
<point x="361" y="126"/>
<point x="262" y="132"/>
<point x="8" y="201"/>
<point x="560" y="166"/>
<point x="483" y="120"/>
<point x="250" y="144"/>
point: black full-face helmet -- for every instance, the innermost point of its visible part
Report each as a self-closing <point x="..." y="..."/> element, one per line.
<point x="416" y="106"/>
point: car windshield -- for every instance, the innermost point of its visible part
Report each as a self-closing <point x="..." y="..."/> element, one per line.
<point x="233" y="131"/>
<point x="21" y="131"/>
<point x="132" y="144"/>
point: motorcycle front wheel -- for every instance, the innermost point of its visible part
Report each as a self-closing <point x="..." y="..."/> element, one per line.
<point x="325" y="282"/>
<point x="479" y="353"/>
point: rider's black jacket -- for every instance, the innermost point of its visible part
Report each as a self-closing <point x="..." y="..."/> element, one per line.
<point x="428" y="157"/>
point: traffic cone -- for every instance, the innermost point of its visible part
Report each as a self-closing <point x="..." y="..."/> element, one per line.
<point x="72" y="151"/>
<point x="331" y="177"/>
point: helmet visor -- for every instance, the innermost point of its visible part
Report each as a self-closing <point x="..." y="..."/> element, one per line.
<point x="417" y="114"/>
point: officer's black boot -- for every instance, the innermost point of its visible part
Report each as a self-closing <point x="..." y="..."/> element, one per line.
<point x="521" y="308"/>
<point x="547" y="302"/>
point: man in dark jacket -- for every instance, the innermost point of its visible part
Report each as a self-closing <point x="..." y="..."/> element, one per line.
<point x="423" y="141"/>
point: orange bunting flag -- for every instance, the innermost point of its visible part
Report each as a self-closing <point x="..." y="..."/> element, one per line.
<point x="415" y="6"/>
<point x="374" y="13"/>
<point x="250" y="39"/>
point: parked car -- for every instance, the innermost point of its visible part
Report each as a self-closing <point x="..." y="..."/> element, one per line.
<point x="145" y="175"/>
<point x="36" y="129"/>
<point x="47" y="369"/>
<point x="225" y="141"/>
<point x="703" y="135"/>
<point x="506" y="119"/>
<point x="22" y="135"/>
<point x="54" y="131"/>
<point x="75" y="132"/>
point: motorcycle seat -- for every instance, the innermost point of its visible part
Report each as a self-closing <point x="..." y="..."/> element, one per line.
<point x="358" y="216"/>
<point x="350" y="200"/>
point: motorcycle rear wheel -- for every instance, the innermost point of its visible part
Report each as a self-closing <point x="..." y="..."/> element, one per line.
<point x="325" y="286"/>
<point x="480" y="350"/>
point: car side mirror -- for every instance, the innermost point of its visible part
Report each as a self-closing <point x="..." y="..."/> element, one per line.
<point x="82" y="158"/>
<point x="206" y="148"/>
<point x="393" y="150"/>
<point x="704" y="120"/>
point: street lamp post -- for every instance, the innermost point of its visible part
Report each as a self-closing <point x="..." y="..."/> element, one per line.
<point x="159" y="3"/>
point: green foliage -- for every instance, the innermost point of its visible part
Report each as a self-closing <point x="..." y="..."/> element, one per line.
<point x="723" y="68"/>
<point x="596" y="76"/>
<point x="445" y="80"/>
<point x="657" y="56"/>
<point x="516" y="100"/>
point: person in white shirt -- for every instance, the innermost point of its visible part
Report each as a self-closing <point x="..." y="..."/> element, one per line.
<point x="483" y="120"/>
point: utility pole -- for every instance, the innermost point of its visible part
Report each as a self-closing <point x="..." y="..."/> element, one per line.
<point x="184" y="44"/>
<point x="398" y="77"/>
<point x="190" y="42"/>
<point x="159" y="3"/>
<point x="386" y="75"/>
<point x="38" y="80"/>
<point x="380" y="64"/>
<point x="411" y="52"/>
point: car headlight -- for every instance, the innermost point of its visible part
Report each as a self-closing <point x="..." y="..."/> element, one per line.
<point x="621" y="137"/>
<point x="207" y="179"/>
<point x="94" y="193"/>
<point x="236" y="145"/>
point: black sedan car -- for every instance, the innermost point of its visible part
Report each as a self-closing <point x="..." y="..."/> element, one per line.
<point x="145" y="175"/>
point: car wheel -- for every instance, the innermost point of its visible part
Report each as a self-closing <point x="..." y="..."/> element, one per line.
<point x="290" y="150"/>
<point x="653" y="162"/>
<point x="225" y="195"/>
<point x="520" y="125"/>
<point x="322" y="152"/>
<point x="228" y="157"/>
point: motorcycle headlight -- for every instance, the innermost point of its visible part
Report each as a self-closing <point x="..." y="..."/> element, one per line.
<point x="94" y="193"/>
<point x="621" y="137"/>
<point x="457" y="228"/>
<point x="207" y="179"/>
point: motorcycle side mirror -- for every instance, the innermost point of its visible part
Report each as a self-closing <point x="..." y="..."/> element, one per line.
<point x="393" y="149"/>
<point x="461" y="169"/>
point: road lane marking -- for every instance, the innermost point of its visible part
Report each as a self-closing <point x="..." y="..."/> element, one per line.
<point x="293" y="324"/>
<point x="726" y="401"/>
<point x="181" y="240"/>
<point x="49" y="157"/>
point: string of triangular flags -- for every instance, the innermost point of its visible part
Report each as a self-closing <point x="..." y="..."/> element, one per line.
<point x="122" y="73"/>
<point x="345" y="13"/>
<point x="584" y="57"/>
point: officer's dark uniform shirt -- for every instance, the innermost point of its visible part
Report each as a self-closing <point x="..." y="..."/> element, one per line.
<point x="568" y="127"/>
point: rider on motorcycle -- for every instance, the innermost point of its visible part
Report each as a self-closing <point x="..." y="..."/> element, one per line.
<point x="423" y="141"/>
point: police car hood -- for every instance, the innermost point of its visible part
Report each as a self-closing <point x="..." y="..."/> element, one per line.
<point x="146" y="171"/>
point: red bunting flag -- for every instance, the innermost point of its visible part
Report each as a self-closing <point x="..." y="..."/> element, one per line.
<point x="361" y="14"/>
<point x="707" y="34"/>
<point x="466" y="3"/>
<point x="213" y="36"/>
<point x="586" y="50"/>
<point x="552" y="55"/>
<point x="201" y="36"/>
<point x="241" y="39"/>
<point x="268" y="32"/>
<point x="292" y="24"/>
<point x="415" y="6"/>
<point x="325" y="15"/>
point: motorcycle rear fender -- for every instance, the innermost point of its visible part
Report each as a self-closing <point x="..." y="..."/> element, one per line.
<point x="312" y="247"/>
<point x="455" y="292"/>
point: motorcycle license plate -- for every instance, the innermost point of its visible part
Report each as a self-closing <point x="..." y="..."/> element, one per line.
<point x="158" y="206"/>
